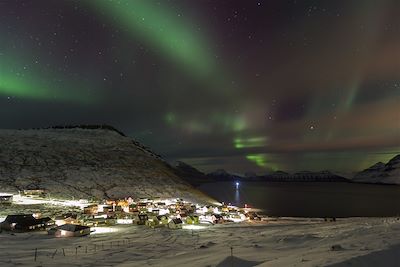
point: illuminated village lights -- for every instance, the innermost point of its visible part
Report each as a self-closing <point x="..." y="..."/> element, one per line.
<point x="103" y="216"/>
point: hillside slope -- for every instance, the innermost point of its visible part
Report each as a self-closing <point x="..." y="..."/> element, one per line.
<point x="86" y="163"/>
<point x="388" y="173"/>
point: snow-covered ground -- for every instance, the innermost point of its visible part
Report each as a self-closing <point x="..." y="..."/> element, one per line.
<point x="283" y="242"/>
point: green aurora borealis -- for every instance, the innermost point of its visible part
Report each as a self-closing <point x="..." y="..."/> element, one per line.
<point x="160" y="28"/>
<point x="246" y="86"/>
<point x="20" y="80"/>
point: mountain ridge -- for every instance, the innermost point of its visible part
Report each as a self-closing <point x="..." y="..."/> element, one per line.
<point x="76" y="162"/>
<point x="277" y="176"/>
<point x="381" y="173"/>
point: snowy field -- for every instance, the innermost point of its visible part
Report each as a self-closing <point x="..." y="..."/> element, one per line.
<point x="283" y="242"/>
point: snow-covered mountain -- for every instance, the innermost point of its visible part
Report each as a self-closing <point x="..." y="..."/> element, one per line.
<point x="191" y="174"/>
<point x="196" y="178"/>
<point x="86" y="163"/>
<point x="388" y="173"/>
<point x="223" y="175"/>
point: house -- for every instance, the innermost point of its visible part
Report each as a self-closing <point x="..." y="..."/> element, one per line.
<point x="191" y="208"/>
<point x="142" y="218"/>
<point x="122" y="205"/>
<point x="163" y="219"/>
<point x="155" y="211"/>
<point x="161" y="205"/>
<point x="175" y="224"/>
<point x="118" y="208"/>
<point x="34" y="192"/>
<point x="157" y="221"/>
<point x="70" y="230"/>
<point x="183" y="212"/>
<point x="142" y="206"/>
<point x="133" y="208"/>
<point x="91" y="209"/>
<point x="253" y="216"/>
<point x="234" y="217"/>
<point x="217" y="218"/>
<point x="68" y="218"/>
<point x="105" y="208"/>
<point x="96" y="220"/>
<point x="152" y="222"/>
<point x="25" y="223"/>
<point x="47" y="221"/>
<point x="192" y="219"/>
<point x="6" y="199"/>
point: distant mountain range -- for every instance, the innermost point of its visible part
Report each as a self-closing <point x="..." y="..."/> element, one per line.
<point x="195" y="177"/>
<point x="381" y="173"/>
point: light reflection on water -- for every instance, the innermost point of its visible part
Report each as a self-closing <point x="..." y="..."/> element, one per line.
<point x="237" y="196"/>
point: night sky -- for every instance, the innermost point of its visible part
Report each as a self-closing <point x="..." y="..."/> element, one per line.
<point x="242" y="85"/>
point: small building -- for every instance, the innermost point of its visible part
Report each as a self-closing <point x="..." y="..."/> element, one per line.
<point x="157" y="221"/>
<point x="142" y="218"/>
<point x="48" y="222"/>
<point x="152" y="222"/>
<point x="161" y="205"/>
<point x="70" y="230"/>
<point x="217" y="218"/>
<point x="175" y="224"/>
<point x="99" y="220"/>
<point x="105" y="208"/>
<point x="91" y="209"/>
<point x="34" y="192"/>
<point x="155" y="211"/>
<point x="142" y="206"/>
<point x="133" y="208"/>
<point x="163" y="219"/>
<point x="183" y="212"/>
<point x="6" y="199"/>
<point x="234" y="217"/>
<point x="68" y="218"/>
<point x="192" y="219"/>
<point x="25" y="223"/>
<point x="253" y="216"/>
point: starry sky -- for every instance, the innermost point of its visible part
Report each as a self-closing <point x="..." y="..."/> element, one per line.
<point x="246" y="86"/>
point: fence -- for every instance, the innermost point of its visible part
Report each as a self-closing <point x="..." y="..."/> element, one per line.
<point x="41" y="254"/>
<point x="75" y="251"/>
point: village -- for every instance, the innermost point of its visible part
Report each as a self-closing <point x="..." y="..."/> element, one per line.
<point x="41" y="231"/>
<point x="82" y="217"/>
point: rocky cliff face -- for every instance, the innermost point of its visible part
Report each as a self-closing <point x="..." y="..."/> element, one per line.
<point x="86" y="163"/>
<point x="388" y="173"/>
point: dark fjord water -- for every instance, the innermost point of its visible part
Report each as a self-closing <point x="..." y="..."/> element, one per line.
<point x="310" y="199"/>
